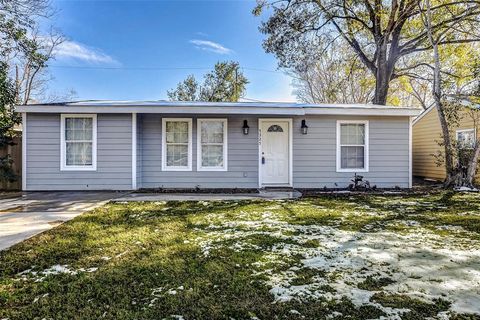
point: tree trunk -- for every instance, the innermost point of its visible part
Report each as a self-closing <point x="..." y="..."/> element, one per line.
<point x="381" y="89"/>
<point x="452" y="176"/>
<point x="472" y="166"/>
<point x="383" y="74"/>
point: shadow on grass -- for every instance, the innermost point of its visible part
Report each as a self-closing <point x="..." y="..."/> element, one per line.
<point x="148" y="271"/>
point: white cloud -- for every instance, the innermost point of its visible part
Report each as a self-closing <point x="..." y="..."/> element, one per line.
<point x="211" y="46"/>
<point x="79" y="51"/>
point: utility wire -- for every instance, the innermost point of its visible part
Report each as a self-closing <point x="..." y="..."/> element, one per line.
<point x="154" y="68"/>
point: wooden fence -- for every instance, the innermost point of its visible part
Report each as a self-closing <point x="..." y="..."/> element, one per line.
<point x="15" y="152"/>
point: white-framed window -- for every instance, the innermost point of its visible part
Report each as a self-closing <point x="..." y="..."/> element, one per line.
<point x="176" y="144"/>
<point x="352" y="146"/>
<point x="78" y="142"/>
<point x="212" y="145"/>
<point x="466" y="138"/>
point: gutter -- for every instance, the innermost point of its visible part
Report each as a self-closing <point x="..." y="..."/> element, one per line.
<point x="233" y="110"/>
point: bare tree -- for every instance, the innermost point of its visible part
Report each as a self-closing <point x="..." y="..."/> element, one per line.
<point x="380" y="33"/>
<point x="25" y="49"/>
<point x="24" y="12"/>
<point x="31" y="77"/>
<point x="337" y="76"/>
<point x="458" y="173"/>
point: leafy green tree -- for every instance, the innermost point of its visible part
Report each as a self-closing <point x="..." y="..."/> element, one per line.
<point x="8" y="120"/>
<point x="22" y="53"/>
<point x="383" y="34"/>
<point x="24" y="48"/>
<point x="460" y="163"/>
<point x="226" y="83"/>
<point x="187" y="90"/>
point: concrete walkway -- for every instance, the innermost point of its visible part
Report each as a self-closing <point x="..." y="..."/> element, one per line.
<point x="23" y="215"/>
<point x="265" y="195"/>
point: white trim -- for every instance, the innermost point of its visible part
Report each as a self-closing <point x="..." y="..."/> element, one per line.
<point x="63" y="166"/>
<point x="366" y="145"/>
<point x="271" y="108"/>
<point x="24" y="151"/>
<point x="290" y="152"/>
<point x="164" y="145"/>
<point x="362" y="111"/>
<point x="225" y="145"/>
<point x="134" y="151"/>
<point x="423" y="114"/>
<point x="464" y="130"/>
<point x="410" y="152"/>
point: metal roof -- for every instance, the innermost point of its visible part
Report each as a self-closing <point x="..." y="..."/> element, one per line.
<point x="180" y="107"/>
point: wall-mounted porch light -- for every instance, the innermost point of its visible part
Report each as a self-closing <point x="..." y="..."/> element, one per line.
<point x="245" y="127"/>
<point x="304" y="127"/>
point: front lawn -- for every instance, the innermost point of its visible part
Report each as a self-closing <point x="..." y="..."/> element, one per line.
<point x="356" y="257"/>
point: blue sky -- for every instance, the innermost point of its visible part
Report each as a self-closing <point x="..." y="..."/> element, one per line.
<point x="120" y="49"/>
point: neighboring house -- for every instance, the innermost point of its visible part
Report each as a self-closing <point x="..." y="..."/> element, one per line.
<point x="96" y="145"/>
<point x="427" y="133"/>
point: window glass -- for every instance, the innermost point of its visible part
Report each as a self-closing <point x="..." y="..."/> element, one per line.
<point x="212" y="144"/>
<point x="466" y="138"/>
<point x="353" y="157"/>
<point x="176" y="138"/>
<point x="353" y="134"/>
<point x="78" y="141"/>
<point x="352" y="146"/>
<point x="275" y="128"/>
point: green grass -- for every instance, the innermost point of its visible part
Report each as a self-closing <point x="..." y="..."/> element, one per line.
<point x="152" y="261"/>
<point x="418" y="309"/>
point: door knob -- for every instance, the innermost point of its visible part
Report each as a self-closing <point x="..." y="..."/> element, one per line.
<point x="263" y="160"/>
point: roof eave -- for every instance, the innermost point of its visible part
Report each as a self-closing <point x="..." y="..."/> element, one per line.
<point x="159" y="109"/>
<point x="240" y="110"/>
<point x="388" y="111"/>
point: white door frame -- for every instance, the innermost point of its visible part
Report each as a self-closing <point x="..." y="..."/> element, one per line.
<point x="290" y="151"/>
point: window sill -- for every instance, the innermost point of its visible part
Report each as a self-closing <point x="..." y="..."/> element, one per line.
<point x="212" y="169"/>
<point x="78" y="169"/>
<point x="352" y="170"/>
<point x="176" y="169"/>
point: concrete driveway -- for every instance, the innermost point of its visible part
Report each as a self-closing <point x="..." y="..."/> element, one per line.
<point x="23" y="215"/>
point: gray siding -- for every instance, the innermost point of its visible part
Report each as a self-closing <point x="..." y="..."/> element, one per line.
<point x="242" y="158"/>
<point x="114" y="155"/>
<point x="314" y="154"/>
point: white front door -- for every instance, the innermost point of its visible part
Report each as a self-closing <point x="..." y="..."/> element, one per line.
<point x="274" y="152"/>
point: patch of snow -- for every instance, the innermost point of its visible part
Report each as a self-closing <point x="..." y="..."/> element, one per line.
<point x="56" y="269"/>
<point x="466" y="189"/>
<point x="450" y="228"/>
<point x="92" y="269"/>
<point x="39" y="297"/>
<point x="424" y="265"/>
<point x="121" y="254"/>
<point x="39" y="276"/>
<point x="334" y="314"/>
<point x="411" y="223"/>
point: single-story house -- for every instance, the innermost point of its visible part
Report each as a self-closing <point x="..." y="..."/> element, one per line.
<point x="128" y="145"/>
<point x="427" y="133"/>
